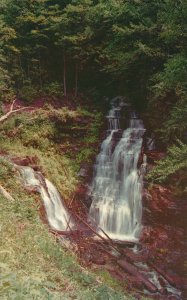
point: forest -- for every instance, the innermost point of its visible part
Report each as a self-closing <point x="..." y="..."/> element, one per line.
<point x="80" y="54"/>
<point x="102" y="48"/>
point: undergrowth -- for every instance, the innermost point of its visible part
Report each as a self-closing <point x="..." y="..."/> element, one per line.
<point x="173" y="168"/>
<point x="33" y="264"/>
<point x="61" y="140"/>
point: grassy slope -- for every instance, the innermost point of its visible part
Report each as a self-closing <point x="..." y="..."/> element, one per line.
<point x="61" y="140"/>
<point x="32" y="264"/>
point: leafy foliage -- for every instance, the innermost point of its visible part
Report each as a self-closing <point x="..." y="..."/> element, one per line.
<point x="175" y="125"/>
<point x="134" y="48"/>
<point x="136" y="45"/>
<point x="175" y="163"/>
<point x="53" y="89"/>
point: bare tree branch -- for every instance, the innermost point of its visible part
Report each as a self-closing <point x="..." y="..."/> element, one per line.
<point x="6" y="194"/>
<point x="12" y="110"/>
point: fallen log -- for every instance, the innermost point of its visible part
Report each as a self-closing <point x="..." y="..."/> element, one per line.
<point x="6" y="194"/>
<point x="68" y="226"/>
<point x="128" y="243"/>
<point x="109" y="241"/>
<point x="12" y="111"/>
<point x="134" y="257"/>
<point x="130" y="280"/>
<point x="162" y="273"/>
<point x="132" y="270"/>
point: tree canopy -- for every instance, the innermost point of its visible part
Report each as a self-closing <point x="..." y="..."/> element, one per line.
<point x="136" y="48"/>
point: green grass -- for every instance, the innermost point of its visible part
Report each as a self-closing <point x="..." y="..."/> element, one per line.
<point x="52" y="136"/>
<point x="33" y="265"/>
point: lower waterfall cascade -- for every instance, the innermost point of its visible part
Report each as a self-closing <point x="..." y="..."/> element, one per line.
<point x="57" y="215"/>
<point x="116" y="189"/>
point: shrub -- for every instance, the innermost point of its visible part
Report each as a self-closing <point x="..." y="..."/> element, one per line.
<point x="54" y="89"/>
<point x="28" y="93"/>
<point x="175" y="162"/>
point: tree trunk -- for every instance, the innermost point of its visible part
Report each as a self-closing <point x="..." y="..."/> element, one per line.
<point x="40" y="71"/>
<point x="22" y="72"/>
<point x="64" y="77"/>
<point x="132" y="270"/>
<point x="76" y="79"/>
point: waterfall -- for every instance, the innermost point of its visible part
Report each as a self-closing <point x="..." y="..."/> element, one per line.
<point x="58" y="217"/>
<point x="116" y="190"/>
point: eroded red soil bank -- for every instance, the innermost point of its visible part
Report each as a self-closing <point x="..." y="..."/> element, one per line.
<point x="163" y="244"/>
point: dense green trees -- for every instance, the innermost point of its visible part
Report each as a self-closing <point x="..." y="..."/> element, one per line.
<point x="134" y="47"/>
<point x="137" y="44"/>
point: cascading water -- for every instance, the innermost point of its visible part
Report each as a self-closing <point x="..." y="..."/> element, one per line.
<point x="116" y="190"/>
<point x="58" y="217"/>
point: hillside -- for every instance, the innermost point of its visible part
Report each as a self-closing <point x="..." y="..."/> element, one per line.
<point x="93" y="103"/>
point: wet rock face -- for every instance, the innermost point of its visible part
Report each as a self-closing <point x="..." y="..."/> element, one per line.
<point x="153" y="156"/>
<point x="161" y="206"/>
<point x="31" y="161"/>
<point x="162" y="245"/>
<point x="164" y="233"/>
<point x="81" y="192"/>
<point x="85" y="171"/>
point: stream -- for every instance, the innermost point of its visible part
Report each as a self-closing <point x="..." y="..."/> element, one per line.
<point x="114" y="230"/>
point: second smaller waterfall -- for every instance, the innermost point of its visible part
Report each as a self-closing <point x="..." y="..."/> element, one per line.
<point x="57" y="215"/>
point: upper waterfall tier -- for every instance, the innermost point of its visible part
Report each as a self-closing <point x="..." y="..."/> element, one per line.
<point x="116" y="189"/>
<point x="113" y="119"/>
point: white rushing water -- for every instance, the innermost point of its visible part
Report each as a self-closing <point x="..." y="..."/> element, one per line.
<point x="57" y="215"/>
<point x="116" y="190"/>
